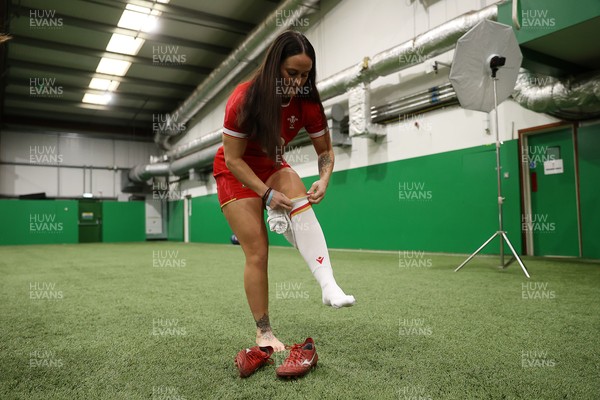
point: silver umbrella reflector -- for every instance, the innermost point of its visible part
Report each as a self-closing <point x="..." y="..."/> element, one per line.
<point x="486" y="46"/>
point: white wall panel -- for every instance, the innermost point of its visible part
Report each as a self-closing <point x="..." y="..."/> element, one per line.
<point x="86" y="151"/>
<point x="28" y="148"/>
<point x="102" y="182"/>
<point x="71" y="182"/>
<point x="24" y="179"/>
<point x="129" y="154"/>
<point x="38" y="155"/>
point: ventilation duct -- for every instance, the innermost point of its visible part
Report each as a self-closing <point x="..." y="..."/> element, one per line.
<point x="194" y="160"/>
<point x="359" y="106"/>
<point x="573" y="98"/>
<point x="142" y="173"/>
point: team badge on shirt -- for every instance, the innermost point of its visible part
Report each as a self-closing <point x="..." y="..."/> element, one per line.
<point x="292" y="120"/>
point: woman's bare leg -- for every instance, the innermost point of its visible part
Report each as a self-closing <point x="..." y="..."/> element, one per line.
<point x="287" y="181"/>
<point x="245" y="217"/>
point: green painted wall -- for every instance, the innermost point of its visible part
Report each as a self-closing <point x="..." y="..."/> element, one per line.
<point x="442" y="203"/>
<point x="539" y="18"/>
<point x="123" y="221"/>
<point x="38" y="221"/>
<point x="588" y="143"/>
<point x="207" y="223"/>
<point x="175" y="220"/>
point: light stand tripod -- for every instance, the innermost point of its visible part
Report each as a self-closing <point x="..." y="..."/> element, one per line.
<point x="495" y="63"/>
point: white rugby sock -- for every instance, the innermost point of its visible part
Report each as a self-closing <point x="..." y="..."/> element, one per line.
<point x="310" y="242"/>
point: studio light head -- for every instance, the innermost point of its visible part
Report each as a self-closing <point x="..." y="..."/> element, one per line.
<point x="495" y="63"/>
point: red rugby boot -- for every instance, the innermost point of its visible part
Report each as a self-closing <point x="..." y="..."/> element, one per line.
<point x="301" y="359"/>
<point x="249" y="360"/>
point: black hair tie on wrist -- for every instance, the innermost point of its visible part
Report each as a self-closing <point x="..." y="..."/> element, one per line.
<point x="264" y="196"/>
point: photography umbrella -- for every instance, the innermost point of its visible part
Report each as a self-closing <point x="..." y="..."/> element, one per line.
<point x="484" y="73"/>
<point x="471" y="74"/>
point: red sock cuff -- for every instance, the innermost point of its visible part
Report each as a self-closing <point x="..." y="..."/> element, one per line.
<point x="300" y="209"/>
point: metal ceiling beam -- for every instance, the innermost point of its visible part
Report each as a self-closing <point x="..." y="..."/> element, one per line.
<point x="59" y="101"/>
<point x="83" y="89"/>
<point x="110" y="29"/>
<point x="72" y="116"/>
<point x="87" y="51"/>
<point x="46" y="68"/>
<point x="182" y="14"/>
<point x="84" y="125"/>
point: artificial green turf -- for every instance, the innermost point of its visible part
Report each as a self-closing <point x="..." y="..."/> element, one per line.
<point x="418" y="331"/>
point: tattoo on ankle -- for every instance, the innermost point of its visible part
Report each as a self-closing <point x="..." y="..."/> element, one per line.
<point x="263" y="324"/>
<point x="267" y="335"/>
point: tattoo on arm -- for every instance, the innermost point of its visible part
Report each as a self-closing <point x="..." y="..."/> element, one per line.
<point x="324" y="162"/>
<point x="263" y="324"/>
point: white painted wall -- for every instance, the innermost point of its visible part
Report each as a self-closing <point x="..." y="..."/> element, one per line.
<point x="345" y="33"/>
<point x="42" y="157"/>
<point x="354" y="29"/>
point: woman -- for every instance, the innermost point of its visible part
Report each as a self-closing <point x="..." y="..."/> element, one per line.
<point x="261" y="117"/>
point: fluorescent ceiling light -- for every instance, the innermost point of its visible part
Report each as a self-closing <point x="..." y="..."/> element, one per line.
<point x="104" y="84"/>
<point x="124" y="44"/>
<point x="139" y="18"/>
<point x="136" y="18"/>
<point x="111" y="66"/>
<point x="102" y="99"/>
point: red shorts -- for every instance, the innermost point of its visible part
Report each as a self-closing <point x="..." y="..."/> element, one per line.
<point x="230" y="189"/>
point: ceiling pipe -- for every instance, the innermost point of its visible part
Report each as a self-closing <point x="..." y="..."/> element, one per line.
<point x="194" y="145"/>
<point x="195" y="160"/>
<point x="434" y="97"/>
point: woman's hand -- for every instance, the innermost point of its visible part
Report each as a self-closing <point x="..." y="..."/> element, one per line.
<point x="317" y="191"/>
<point x="280" y="201"/>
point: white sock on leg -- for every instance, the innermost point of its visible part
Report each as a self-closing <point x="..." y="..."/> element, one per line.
<point x="310" y="241"/>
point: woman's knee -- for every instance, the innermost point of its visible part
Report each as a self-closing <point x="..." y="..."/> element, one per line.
<point x="288" y="182"/>
<point x="257" y="256"/>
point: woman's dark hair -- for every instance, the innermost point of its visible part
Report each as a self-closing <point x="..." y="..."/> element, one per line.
<point x="260" y="113"/>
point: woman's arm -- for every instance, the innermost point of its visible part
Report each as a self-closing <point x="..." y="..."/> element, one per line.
<point x="326" y="159"/>
<point x="233" y="149"/>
